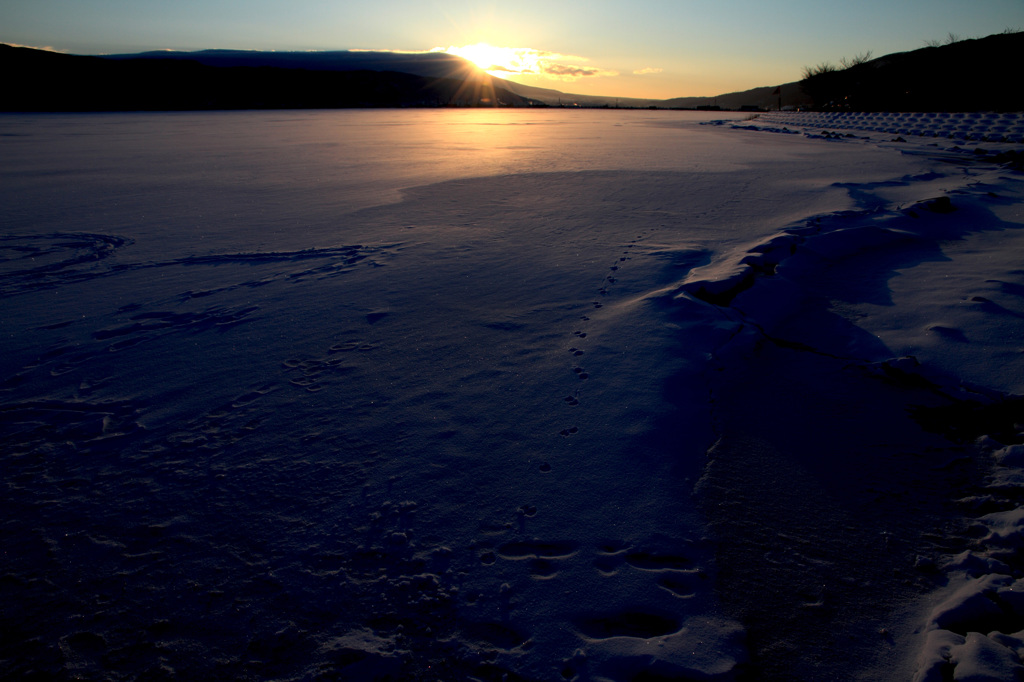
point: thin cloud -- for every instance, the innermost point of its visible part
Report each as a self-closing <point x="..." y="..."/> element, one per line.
<point x="567" y="71"/>
<point x="367" y="49"/>
<point x="647" y="69"/>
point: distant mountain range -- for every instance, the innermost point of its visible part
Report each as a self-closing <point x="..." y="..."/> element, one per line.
<point x="969" y="75"/>
<point x="37" y="80"/>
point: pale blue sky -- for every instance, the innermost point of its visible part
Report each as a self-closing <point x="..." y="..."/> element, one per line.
<point x="687" y="47"/>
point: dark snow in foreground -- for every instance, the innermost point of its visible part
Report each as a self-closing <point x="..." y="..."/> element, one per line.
<point x="509" y="395"/>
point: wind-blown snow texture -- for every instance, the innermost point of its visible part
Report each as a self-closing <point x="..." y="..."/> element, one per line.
<point x="508" y="395"/>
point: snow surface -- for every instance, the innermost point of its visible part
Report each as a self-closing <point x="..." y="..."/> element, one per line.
<point x="594" y="395"/>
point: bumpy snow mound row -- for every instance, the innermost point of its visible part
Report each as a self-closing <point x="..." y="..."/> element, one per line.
<point x="979" y="127"/>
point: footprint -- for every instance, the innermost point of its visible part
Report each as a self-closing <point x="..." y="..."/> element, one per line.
<point x="251" y="397"/>
<point x="947" y="332"/>
<point x="313" y="370"/>
<point x="569" y="431"/>
<point x="575" y="668"/>
<point x="58" y="325"/>
<point x="543" y="568"/>
<point x="126" y="343"/>
<point x="680" y="585"/>
<point x="654" y="562"/>
<point x="350" y="346"/>
<point x="538" y="549"/>
<point x="571" y="400"/>
<point x="607" y="564"/>
<point x="61" y="370"/>
<point x="614" y="547"/>
<point x="498" y="635"/>
<point x="639" y="624"/>
<point x="610" y="558"/>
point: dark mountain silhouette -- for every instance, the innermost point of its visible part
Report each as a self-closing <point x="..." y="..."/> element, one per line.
<point x="37" y="80"/>
<point x="427" y="64"/>
<point x="766" y="97"/>
<point x="968" y="75"/>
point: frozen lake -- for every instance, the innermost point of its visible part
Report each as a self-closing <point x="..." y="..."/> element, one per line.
<point x="464" y="394"/>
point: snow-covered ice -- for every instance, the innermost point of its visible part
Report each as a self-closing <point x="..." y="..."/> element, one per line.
<point x="604" y="395"/>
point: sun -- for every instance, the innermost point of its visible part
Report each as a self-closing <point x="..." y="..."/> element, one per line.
<point x="524" y="63"/>
<point x="497" y="61"/>
<point x="484" y="55"/>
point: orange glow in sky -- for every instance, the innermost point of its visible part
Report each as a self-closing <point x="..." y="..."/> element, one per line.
<point x="488" y="57"/>
<point x="506" y="62"/>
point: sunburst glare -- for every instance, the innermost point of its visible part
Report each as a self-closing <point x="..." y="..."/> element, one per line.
<point x="512" y="61"/>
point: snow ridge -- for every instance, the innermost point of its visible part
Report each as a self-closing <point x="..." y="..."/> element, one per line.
<point x="974" y="628"/>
